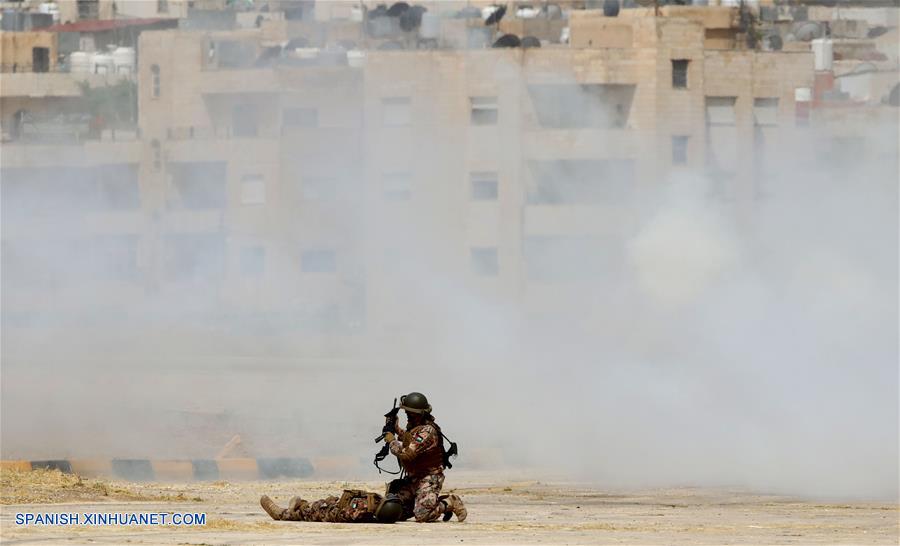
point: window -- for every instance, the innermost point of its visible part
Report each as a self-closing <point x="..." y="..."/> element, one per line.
<point x="484" y="261"/>
<point x="397" y="186"/>
<point x="157" y="155"/>
<point x="232" y="54"/>
<point x="765" y="111"/>
<point x="396" y="111"/>
<point x="484" y="110"/>
<point x="679" y="149"/>
<point x="40" y="59"/>
<point x="318" y="261"/>
<point x="199" y="185"/>
<point x="302" y="118"/>
<point x="582" y="106"/>
<point x="253" y="261"/>
<point x="721" y="135"/>
<point x="680" y="73"/>
<point x="484" y="186"/>
<point x="253" y="190"/>
<point x="720" y="110"/>
<point x="154" y="72"/>
<point x="162" y="6"/>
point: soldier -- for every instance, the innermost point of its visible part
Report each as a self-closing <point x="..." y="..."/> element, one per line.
<point x="354" y="506"/>
<point x="420" y="450"/>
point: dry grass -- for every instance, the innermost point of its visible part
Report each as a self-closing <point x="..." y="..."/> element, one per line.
<point x="53" y="486"/>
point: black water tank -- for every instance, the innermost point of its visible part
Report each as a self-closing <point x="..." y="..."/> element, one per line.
<point x="611" y="8"/>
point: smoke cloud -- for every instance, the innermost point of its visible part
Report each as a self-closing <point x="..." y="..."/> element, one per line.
<point x="711" y="340"/>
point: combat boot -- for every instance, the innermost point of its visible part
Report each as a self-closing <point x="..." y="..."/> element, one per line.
<point x="297" y="506"/>
<point x="455" y="507"/>
<point x="271" y="508"/>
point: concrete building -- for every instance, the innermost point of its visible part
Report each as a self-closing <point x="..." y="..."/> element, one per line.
<point x="314" y="188"/>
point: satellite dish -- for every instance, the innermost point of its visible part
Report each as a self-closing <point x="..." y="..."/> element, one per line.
<point x="808" y="31"/>
<point x="508" y="40"/>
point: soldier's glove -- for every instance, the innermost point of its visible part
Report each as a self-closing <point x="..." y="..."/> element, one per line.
<point x="388" y="437"/>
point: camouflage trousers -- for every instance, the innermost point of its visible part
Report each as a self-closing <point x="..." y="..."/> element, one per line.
<point x="329" y="510"/>
<point x="422" y="492"/>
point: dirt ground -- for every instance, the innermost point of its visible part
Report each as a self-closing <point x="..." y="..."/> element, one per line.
<point x="501" y="511"/>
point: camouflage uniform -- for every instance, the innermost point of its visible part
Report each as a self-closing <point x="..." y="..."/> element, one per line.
<point x="353" y="506"/>
<point x="421" y="454"/>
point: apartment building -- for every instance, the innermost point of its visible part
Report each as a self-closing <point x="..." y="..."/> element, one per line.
<point x="327" y="193"/>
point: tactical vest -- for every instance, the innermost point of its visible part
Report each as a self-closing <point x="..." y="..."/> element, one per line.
<point x="359" y="506"/>
<point x="428" y="460"/>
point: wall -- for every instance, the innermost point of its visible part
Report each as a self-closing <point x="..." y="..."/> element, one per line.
<point x="16" y="49"/>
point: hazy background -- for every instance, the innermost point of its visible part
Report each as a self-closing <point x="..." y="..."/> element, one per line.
<point x="727" y="344"/>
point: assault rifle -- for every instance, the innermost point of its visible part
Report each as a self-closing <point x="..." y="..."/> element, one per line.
<point x="390" y="425"/>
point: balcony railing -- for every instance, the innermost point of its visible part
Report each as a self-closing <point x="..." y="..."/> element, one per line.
<point x="66" y="129"/>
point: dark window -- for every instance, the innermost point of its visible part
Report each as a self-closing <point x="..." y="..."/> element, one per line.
<point x="582" y="106"/>
<point x="162" y="6"/>
<point x="484" y="186"/>
<point x="253" y="261"/>
<point x="484" y="111"/>
<point x="88" y="9"/>
<point x="680" y="73"/>
<point x="234" y="54"/>
<point x="199" y="185"/>
<point x="318" y="261"/>
<point x="679" y="149"/>
<point x="40" y="59"/>
<point x="484" y="261"/>
<point x="154" y="72"/>
<point x="301" y="118"/>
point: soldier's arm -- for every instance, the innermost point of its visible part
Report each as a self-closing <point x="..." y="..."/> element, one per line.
<point x="420" y="442"/>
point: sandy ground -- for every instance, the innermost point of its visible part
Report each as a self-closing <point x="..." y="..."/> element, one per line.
<point x="501" y="511"/>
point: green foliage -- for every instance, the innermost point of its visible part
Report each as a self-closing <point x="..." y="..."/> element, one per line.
<point x="115" y="103"/>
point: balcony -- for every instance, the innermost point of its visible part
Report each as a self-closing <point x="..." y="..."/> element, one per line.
<point x="51" y="84"/>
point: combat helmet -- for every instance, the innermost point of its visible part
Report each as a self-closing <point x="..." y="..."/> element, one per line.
<point x="390" y="510"/>
<point x="415" y="402"/>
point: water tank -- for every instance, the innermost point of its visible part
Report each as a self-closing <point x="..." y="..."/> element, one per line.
<point x="823" y="53"/>
<point x="80" y="62"/>
<point x="611" y="8"/>
<point x="124" y="60"/>
<point x="431" y="26"/>
<point x="102" y="63"/>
